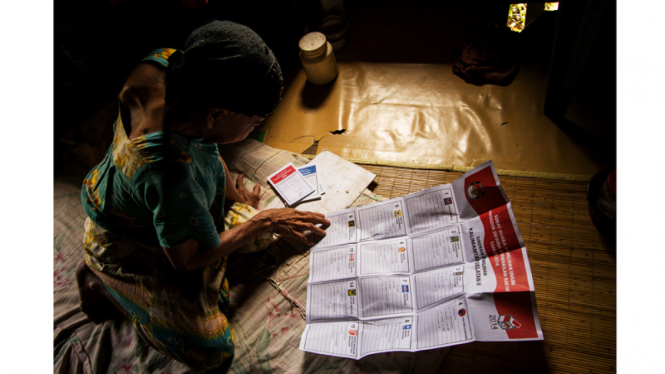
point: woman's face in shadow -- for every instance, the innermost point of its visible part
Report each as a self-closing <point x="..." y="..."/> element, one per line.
<point x="225" y="126"/>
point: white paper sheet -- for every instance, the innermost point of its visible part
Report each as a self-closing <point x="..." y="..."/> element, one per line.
<point x="385" y="256"/>
<point x="311" y="176"/>
<point x="334" y="263"/>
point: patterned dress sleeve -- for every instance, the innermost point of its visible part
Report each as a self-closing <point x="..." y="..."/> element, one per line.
<point x="159" y="56"/>
<point x="179" y="206"/>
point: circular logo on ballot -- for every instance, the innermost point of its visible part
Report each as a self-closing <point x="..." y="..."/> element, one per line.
<point x="475" y="191"/>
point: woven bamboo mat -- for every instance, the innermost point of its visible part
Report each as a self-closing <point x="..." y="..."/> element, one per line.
<point x="574" y="271"/>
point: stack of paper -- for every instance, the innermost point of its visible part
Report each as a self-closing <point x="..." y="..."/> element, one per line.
<point x="296" y="185"/>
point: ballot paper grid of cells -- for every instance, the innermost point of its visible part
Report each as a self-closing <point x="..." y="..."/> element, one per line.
<point x="436" y="268"/>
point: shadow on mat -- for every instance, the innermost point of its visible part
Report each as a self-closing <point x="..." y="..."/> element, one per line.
<point x="313" y="95"/>
<point x="498" y="358"/>
<point x="245" y="272"/>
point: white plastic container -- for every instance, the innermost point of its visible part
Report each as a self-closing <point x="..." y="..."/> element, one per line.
<point x="317" y="58"/>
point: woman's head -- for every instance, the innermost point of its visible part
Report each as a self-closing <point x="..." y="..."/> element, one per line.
<point x="226" y="66"/>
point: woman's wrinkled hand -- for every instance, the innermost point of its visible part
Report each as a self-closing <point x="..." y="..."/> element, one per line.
<point x="249" y="198"/>
<point x="293" y="223"/>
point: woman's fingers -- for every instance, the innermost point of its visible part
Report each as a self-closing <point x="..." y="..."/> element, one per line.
<point x="239" y="183"/>
<point x="316" y="218"/>
<point x="304" y="226"/>
<point x="256" y="195"/>
<point x="303" y="238"/>
<point x="251" y="198"/>
<point x="295" y="234"/>
<point x="321" y="215"/>
<point x="295" y="223"/>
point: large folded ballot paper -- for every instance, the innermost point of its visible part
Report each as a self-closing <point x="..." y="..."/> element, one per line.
<point x="440" y="267"/>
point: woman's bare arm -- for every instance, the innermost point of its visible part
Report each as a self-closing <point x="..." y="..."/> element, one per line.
<point x="237" y="192"/>
<point x="288" y="222"/>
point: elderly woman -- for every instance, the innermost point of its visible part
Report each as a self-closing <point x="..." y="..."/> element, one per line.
<point x="155" y="242"/>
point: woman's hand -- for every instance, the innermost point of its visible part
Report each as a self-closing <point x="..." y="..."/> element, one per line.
<point x="238" y="193"/>
<point x="249" y="198"/>
<point x="293" y="223"/>
<point x="288" y="222"/>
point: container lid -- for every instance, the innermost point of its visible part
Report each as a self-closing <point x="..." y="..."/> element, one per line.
<point x="313" y="44"/>
<point x="333" y="27"/>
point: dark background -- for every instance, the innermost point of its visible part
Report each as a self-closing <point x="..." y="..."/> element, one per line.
<point x="97" y="43"/>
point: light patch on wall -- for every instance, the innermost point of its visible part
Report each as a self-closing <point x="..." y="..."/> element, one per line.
<point x="551" y="6"/>
<point x="517" y="17"/>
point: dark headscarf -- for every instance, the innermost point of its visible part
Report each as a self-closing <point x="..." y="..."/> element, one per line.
<point x="227" y="65"/>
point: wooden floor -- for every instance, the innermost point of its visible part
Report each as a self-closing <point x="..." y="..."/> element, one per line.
<point x="574" y="271"/>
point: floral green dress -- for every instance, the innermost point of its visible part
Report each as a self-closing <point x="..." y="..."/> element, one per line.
<point x="158" y="191"/>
